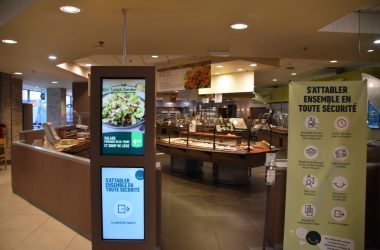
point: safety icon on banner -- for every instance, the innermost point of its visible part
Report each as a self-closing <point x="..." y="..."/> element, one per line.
<point x="311" y="152"/>
<point x="308" y="210"/>
<point x="338" y="213"/>
<point x="311" y="122"/>
<point x="341" y="123"/>
<point x="340" y="183"/>
<point x="341" y="153"/>
<point x="310" y="181"/>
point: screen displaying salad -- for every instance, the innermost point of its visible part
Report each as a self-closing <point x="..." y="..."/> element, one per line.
<point x="123" y="116"/>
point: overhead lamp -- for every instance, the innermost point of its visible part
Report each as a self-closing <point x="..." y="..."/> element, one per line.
<point x="274" y="80"/>
<point x="217" y="73"/>
<point x="333" y="61"/>
<point x="370" y="50"/>
<point x="239" y="26"/>
<point x="253" y="65"/>
<point x="376" y="41"/>
<point x="9" y="41"/>
<point x="69" y="9"/>
<point x="52" y="57"/>
<point x="240" y="69"/>
<point x="219" y="66"/>
<point x="154" y="56"/>
<point x="54" y="82"/>
<point x="17" y="73"/>
<point x="88" y="65"/>
<point x="294" y="74"/>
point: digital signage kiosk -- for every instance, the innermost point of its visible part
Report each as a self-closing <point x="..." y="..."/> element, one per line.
<point x="123" y="179"/>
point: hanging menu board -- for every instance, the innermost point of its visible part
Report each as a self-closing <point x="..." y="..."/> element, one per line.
<point x="123" y="116"/>
<point x="123" y="203"/>
<point x="325" y="196"/>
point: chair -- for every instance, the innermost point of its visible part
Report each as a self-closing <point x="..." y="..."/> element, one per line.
<point x="2" y="152"/>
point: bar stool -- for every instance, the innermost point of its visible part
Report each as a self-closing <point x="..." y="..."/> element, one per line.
<point x="2" y="152"/>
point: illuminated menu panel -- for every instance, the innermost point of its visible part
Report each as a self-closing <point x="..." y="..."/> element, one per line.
<point x="123" y="116"/>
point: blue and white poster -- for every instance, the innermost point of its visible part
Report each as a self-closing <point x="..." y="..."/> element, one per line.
<point x="123" y="203"/>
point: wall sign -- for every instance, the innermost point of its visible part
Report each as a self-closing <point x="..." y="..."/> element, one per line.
<point x="123" y="203"/>
<point x="123" y="116"/>
<point x="325" y="196"/>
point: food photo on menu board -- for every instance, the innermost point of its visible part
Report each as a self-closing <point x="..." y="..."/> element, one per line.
<point x="123" y="116"/>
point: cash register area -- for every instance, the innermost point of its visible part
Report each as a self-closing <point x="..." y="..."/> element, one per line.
<point x="197" y="214"/>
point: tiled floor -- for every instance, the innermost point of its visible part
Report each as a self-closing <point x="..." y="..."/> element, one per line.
<point x="197" y="214"/>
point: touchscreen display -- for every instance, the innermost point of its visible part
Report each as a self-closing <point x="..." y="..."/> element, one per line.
<point x="122" y="203"/>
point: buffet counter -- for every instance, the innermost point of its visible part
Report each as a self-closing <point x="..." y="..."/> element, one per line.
<point x="231" y="164"/>
<point x="55" y="182"/>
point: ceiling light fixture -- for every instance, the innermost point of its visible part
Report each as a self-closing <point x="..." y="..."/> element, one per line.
<point x="70" y="9"/>
<point x="240" y="69"/>
<point x="52" y="57"/>
<point x="333" y="61"/>
<point x="17" y="73"/>
<point x="294" y="74"/>
<point x="9" y="41"/>
<point x="253" y="65"/>
<point x="239" y="26"/>
<point x="54" y="82"/>
<point x="274" y="80"/>
<point x="376" y="41"/>
<point x="370" y="50"/>
<point x="88" y="65"/>
<point x="219" y="66"/>
<point x="154" y="56"/>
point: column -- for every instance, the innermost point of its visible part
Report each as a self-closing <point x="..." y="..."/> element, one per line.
<point x="56" y="106"/>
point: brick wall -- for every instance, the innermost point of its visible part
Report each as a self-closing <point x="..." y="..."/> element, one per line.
<point x="11" y="108"/>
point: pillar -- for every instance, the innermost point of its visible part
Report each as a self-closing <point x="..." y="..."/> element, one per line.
<point x="11" y="108"/>
<point x="56" y="106"/>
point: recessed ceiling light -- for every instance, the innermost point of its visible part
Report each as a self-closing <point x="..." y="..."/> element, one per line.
<point x="294" y="74"/>
<point x="154" y="56"/>
<point x="239" y="26"/>
<point x="253" y="65"/>
<point x="54" y="82"/>
<point x="333" y="61"/>
<point x="52" y="57"/>
<point x="219" y="66"/>
<point x="274" y="80"/>
<point x="70" y="9"/>
<point x="240" y="69"/>
<point x="9" y="41"/>
<point x="370" y="50"/>
<point x="376" y="41"/>
<point x="17" y="73"/>
<point x="88" y="65"/>
<point x="217" y="73"/>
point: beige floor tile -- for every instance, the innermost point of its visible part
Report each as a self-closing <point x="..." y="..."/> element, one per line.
<point x="79" y="243"/>
<point x="23" y="222"/>
<point x="30" y="209"/>
<point x="10" y="239"/>
<point x="54" y="225"/>
<point x="47" y="240"/>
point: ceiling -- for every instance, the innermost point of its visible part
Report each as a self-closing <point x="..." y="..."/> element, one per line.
<point x="282" y="36"/>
